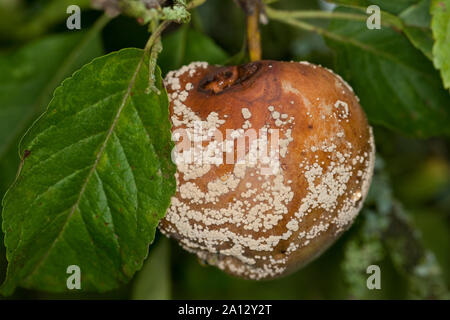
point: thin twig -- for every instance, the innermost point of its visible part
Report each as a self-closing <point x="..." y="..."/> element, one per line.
<point x="155" y="49"/>
<point x="156" y="34"/>
<point x="154" y="45"/>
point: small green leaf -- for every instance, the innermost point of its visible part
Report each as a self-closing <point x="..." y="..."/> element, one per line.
<point x="398" y="86"/>
<point x="153" y="281"/>
<point x="186" y="45"/>
<point x="96" y="178"/>
<point x="440" y="24"/>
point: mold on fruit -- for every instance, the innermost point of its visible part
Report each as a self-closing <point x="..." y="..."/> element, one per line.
<point x="262" y="215"/>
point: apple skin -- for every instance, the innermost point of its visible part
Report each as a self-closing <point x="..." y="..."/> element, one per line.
<point x="262" y="226"/>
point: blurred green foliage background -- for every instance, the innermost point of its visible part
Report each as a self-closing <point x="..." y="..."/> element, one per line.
<point x="405" y="224"/>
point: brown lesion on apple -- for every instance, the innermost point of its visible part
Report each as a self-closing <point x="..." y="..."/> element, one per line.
<point x="225" y="78"/>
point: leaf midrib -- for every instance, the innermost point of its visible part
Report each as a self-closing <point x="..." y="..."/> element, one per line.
<point x="126" y="96"/>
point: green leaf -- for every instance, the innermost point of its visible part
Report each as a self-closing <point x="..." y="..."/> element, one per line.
<point x="416" y="20"/>
<point x="398" y="86"/>
<point x="96" y="178"/>
<point x="186" y="45"/>
<point x="38" y="68"/>
<point x="153" y="281"/>
<point x="421" y="38"/>
<point x="413" y="19"/>
<point x="440" y="24"/>
<point x="417" y="14"/>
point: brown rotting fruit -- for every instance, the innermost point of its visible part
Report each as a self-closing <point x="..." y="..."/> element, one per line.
<point x="265" y="218"/>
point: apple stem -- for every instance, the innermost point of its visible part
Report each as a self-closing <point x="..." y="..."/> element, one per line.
<point x="253" y="35"/>
<point x="252" y="10"/>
